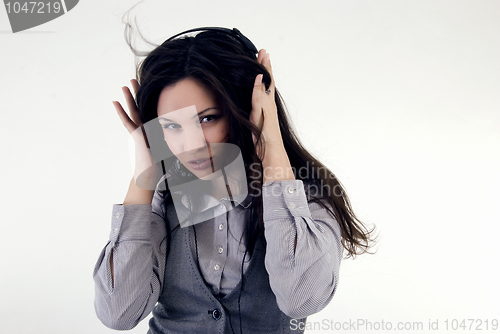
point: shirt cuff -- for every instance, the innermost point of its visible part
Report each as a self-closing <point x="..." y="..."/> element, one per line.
<point x="130" y="222"/>
<point x="284" y="199"/>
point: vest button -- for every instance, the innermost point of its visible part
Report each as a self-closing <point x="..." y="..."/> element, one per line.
<point x="216" y="314"/>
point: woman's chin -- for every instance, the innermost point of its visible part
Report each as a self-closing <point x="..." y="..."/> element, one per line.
<point x="206" y="175"/>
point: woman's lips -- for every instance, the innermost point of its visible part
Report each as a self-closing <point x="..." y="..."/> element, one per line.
<point x="200" y="164"/>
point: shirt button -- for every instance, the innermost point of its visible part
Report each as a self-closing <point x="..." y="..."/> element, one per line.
<point x="216" y="267"/>
<point x="221" y="226"/>
<point x="221" y="250"/>
<point x="216" y="314"/>
<point x="291" y="190"/>
<point x="292" y="205"/>
<point x="117" y="215"/>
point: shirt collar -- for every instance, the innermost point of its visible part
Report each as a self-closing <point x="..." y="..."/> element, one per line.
<point x="207" y="202"/>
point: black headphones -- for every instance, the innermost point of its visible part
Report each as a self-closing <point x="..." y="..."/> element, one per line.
<point x="235" y="33"/>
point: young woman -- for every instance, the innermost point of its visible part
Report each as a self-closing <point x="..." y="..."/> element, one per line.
<point x="204" y="255"/>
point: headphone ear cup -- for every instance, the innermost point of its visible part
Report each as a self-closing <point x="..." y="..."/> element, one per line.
<point x="247" y="43"/>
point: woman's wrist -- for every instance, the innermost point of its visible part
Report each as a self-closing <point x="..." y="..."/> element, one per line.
<point x="276" y="165"/>
<point x="136" y="195"/>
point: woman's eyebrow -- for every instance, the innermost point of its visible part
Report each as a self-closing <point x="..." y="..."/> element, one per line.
<point x="209" y="108"/>
<point x="201" y="112"/>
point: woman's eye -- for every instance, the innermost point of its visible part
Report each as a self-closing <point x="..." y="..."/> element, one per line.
<point x="209" y="118"/>
<point x="171" y="126"/>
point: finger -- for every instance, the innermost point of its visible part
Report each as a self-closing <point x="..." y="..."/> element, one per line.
<point x="135" y="86"/>
<point x="263" y="59"/>
<point x="261" y="55"/>
<point x="266" y="61"/>
<point x="258" y="90"/>
<point x="127" y="122"/>
<point x="132" y="106"/>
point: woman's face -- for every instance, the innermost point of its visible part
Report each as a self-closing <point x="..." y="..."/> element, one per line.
<point x="193" y="126"/>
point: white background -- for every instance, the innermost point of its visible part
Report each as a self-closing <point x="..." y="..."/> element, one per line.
<point x="399" y="98"/>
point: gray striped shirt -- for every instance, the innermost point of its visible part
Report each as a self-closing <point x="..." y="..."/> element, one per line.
<point x="302" y="256"/>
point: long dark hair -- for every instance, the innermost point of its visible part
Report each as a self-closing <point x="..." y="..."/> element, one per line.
<point x="223" y="65"/>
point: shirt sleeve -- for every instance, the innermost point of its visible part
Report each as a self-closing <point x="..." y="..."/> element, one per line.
<point x="127" y="289"/>
<point x="303" y="251"/>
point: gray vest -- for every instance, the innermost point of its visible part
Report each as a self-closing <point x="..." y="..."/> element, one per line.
<point x="187" y="305"/>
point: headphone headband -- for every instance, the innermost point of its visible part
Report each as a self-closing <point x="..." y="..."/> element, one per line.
<point x="231" y="32"/>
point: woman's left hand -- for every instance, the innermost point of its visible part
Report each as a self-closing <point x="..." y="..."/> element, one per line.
<point x="264" y="109"/>
<point x="264" y="115"/>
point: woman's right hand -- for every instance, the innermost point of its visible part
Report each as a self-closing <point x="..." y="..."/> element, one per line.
<point x="131" y="124"/>
<point x="146" y="172"/>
